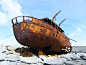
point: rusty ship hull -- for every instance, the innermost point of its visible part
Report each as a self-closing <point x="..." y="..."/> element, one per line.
<point x="41" y="34"/>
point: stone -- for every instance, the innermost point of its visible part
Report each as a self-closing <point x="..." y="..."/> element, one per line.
<point x="39" y="64"/>
<point x="11" y="63"/>
<point x="52" y="61"/>
<point x="67" y="57"/>
<point x="82" y="55"/>
<point x="12" y="57"/>
<point x="80" y="62"/>
<point x="75" y="57"/>
<point x="4" y="63"/>
<point x="29" y="59"/>
<point x="71" y="63"/>
<point x="21" y="64"/>
<point x="2" y="56"/>
<point x="2" y="48"/>
<point x="10" y="48"/>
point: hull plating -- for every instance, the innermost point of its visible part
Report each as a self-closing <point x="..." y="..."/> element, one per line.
<point x="36" y="36"/>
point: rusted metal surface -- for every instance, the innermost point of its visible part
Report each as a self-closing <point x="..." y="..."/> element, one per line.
<point x="56" y="15"/>
<point x="62" y="21"/>
<point x="41" y="34"/>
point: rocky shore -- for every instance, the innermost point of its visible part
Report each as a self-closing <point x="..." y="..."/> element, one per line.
<point x="8" y="56"/>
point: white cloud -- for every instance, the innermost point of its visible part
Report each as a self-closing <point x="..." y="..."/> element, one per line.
<point x="11" y="8"/>
<point x="76" y="32"/>
<point x="9" y="41"/>
<point x="79" y="29"/>
<point x="3" y="19"/>
<point x="84" y="27"/>
<point x="79" y="35"/>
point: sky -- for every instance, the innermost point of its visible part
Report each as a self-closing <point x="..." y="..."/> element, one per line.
<point x="73" y="10"/>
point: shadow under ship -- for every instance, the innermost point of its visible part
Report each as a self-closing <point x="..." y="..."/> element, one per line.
<point x="41" y="34"/>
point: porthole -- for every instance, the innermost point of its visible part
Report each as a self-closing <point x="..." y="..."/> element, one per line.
<point x="53" y="34"/>
<point x="41" y="30"/>
<point x="57" y="28"/>
<point x="59" y="37"/>
<point x="56" y="35"/>
<point x="57" y="32"/>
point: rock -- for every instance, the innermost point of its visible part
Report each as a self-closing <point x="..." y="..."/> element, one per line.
<point x="12" y="57"/>
<point x="29" y="59"/>
<point x="71" y="56"/>
<point x="67" y="57"/>
<point x="7" y="49"/>
<point x="82" y="55"/>
<point x="53" y="61"/>
<point x="63" y="59"/>
<point x="40" y="64"/>
<point x="4" y="63"/>
<point x="11" y="63"/>
<point x="10" y="48"/>
<point x="2" y="48"/>
<point x="43" y="57"/>
<point x="80" y="62"/>
<point x="2" y="56"/>
<point x="75" y="57"/>
<point x="71" y="63"/>
<point x="20" y="63"/>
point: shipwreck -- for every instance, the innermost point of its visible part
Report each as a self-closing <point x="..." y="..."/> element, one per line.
<point x="41" y="35"/>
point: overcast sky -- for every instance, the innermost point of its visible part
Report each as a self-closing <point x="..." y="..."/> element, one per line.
<point x="73" y="10"/>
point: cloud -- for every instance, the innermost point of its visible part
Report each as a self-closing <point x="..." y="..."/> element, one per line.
<point x="84" y="27"/>
<point x="9" y="41"/>
<point x="3" y="19"/>
<point x="10" y="9"/>
<point x="77" y="32"/>
<point x="79" y="35"/>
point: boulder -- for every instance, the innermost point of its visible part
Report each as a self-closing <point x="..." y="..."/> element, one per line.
<point x="75" y="57"/>
<point x="67" y="57"/>
<point x="2" y="56"/>
<point x="4" y="63"/>
<point x="29" y="59"/>
<point x="70" y="63"/>
<point x="53" y="61"/>
<point x="12" y="57"/>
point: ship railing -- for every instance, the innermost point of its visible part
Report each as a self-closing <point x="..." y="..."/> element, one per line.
<point x="23" y="18"/>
